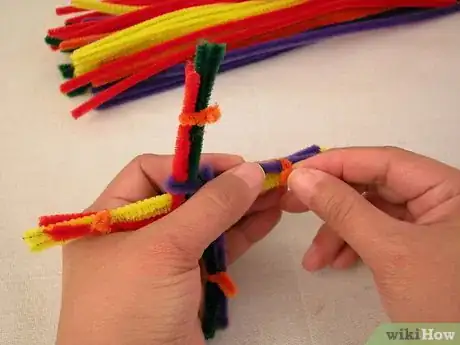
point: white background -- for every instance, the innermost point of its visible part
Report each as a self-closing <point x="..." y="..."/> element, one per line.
<point x="388" y="87"/>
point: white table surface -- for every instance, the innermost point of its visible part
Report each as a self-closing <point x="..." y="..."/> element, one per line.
<point x="388" y="87"/>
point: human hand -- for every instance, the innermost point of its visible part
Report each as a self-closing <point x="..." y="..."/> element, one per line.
<point x="406" y="226"/>
<point x="144" y="287"/>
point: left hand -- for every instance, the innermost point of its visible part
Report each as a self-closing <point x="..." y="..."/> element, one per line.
<point x="144" y="287"/>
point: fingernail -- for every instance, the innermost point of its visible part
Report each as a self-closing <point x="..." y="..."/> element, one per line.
<point x="312" y="260"/>
<point x="251" y="173"/>
<point x="304" y="180"/>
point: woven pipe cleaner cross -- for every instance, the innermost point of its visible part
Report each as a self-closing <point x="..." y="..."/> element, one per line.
<point x="186" y="179"/>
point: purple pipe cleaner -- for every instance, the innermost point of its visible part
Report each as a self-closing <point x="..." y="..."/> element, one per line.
<point x="274" y="166"/>
<point x="207" y="174"/>
<point x="190" y="187"/>
<point x="215" y="257"/>
<point x="219" y="254"/>
<point x="215" y="262"/>
<point x="218" y="246"/>
<point x="222" y="312"/>
<point x="271" y="167"/>
<point x="315" y="149"/>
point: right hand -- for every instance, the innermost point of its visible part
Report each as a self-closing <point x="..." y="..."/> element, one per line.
<point x="405" y="227"/>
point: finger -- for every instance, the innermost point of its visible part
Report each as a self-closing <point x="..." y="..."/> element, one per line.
<point x="213" y="209"/>
<point x="249" y="231"/>
<point x="402" y="176"/>
<point x="346" y="258"/>
<point x="292" y="204"/>
<point x="145" y="176"/>
<point x="268" y="200"/>
<point x="324" y="249"/>
<point x="396" y="211"/>
<point x="347" y="212"/>
<point x="328" y="249"/>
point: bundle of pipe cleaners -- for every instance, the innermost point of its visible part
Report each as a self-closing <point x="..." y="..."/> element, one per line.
<point x="121" y="50"/>
<point x="187" y="177"/>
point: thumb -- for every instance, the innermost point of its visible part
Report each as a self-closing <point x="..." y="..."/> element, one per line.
<point x="215" y="208"/>
<point x="345" y="211"/>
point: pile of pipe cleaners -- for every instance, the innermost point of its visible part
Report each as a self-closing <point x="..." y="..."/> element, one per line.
<point x="122" y="50"/>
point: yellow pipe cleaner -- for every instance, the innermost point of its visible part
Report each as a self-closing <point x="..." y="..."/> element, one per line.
<point x="167" y="27"/>
<point x="103" y="7"/>
<point x="172" y="25"/>
<point x="38" y="239"/>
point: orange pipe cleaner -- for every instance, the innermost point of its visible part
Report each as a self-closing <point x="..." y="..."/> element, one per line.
<point x="225" y="283"/>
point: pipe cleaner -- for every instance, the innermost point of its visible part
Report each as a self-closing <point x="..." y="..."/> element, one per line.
<point x="187" y="177"/>
<point x="116" y="45"/>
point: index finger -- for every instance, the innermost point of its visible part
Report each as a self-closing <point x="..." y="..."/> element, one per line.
<point x="146" y="175"/>
<point x="404" y="174"/>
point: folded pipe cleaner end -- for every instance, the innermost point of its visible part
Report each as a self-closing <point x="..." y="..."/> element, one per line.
<point x="78" y="92"/>
<point x="174" y="187"/>
<point x="40" y="247"/>
<point x="271" y="181"/>
<point x="225" y="283"/>
<point x="286" y="169"/>
<point x="102" y="221"/>
<point x="209" y="115"/>
<point x="37" y="240"/>
<point x="34" y="236"/>
<point x="52" y="41"/>
<point x="222" y="314"/>
<point x="67" y="71"/>
<point x="60" y="229"/>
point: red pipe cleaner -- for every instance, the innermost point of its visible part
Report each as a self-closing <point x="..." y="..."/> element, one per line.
<point x="110" y="24"/>
<point x="81" y="18"/>
<point x="63" y="10"/>
<point x="118" y="88"/>
<point x="68" y="232"/>
<point x="180" y="161"/>
<point x="181" y="156"/>
<point x="62" y="31"/>
<point x="75" y="43"/>
<point x="53" y="219"/>
<point x="128" y="70"/>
